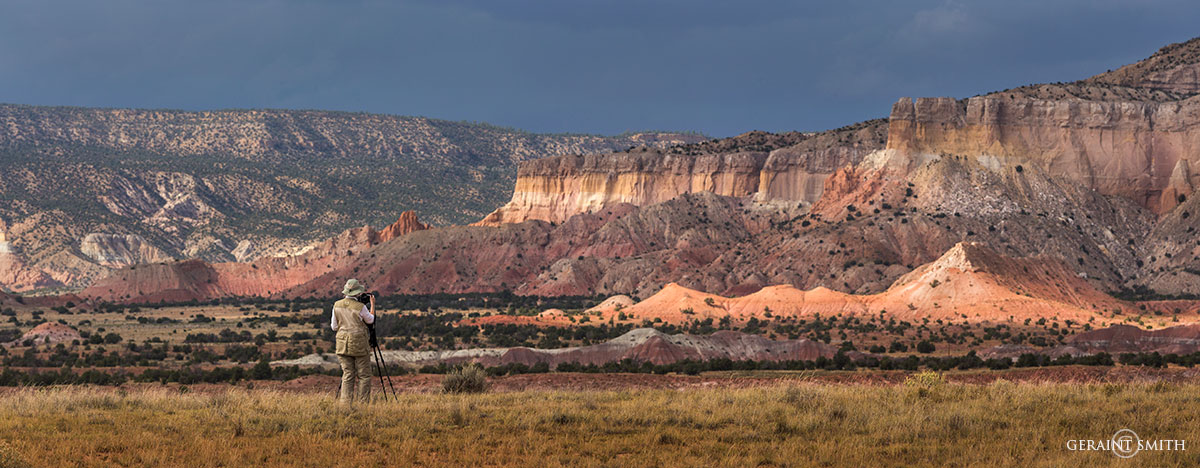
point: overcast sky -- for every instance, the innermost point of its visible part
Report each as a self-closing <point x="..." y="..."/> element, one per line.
<point x="720" y="68"/>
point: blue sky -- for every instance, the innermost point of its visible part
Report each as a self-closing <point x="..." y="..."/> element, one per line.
<point x="720" y="68"/>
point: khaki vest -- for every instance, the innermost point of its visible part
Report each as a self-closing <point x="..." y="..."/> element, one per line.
<point x="352" y="336"/>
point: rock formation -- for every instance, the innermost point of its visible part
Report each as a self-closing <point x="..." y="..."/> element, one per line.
<point x="197" y="280"/>
<point x="788" y="167"/>
<point x="1183" y="339"/>
<point x="15" y="273"/>
<point x="969" y="282"/>
<point x="244" y="251"/>
<point x="1095" y="173"/>
<point x="117" y="251"/>
<point x="1120" y="148"/>
<point x="1117" y="133"/>
<point x="556" y="189"/>
<point x="407" y="223"/>
<point x="50" y="333"/>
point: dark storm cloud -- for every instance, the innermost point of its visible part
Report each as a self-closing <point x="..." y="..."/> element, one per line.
<point x="567" y="65"/>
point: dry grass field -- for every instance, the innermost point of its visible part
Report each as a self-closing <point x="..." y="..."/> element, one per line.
<point x="796" y="423"/>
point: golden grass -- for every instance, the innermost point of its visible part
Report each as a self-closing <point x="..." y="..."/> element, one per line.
<point x="800" y="424"/>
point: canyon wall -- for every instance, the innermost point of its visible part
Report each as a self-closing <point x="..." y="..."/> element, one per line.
<point x="1130" y="149"/>
<point x="555" y="189"/>
<point x="1129" y="132"/>
<point x="798" y="172"/>
<point x="1142" y="150"/>
<point x="787" y="167"/>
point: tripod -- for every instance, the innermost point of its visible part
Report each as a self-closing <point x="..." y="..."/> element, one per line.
<point x="383" y="371"/>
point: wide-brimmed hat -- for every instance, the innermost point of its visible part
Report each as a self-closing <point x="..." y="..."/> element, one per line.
<point x="353" y="288"/>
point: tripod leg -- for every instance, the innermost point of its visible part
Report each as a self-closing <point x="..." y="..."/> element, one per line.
<point x="382" y="388"/>
<point x="388" y="373"/>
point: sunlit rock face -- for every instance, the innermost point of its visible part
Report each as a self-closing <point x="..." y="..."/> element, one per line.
<point x="1138" y="150"/>
<point x="789" y="167"/>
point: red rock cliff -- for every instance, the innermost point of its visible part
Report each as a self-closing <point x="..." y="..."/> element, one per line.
<point x="1121" y="148"/>
<point x="788" y="167"/>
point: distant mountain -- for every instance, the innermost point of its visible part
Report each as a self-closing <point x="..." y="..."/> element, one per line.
<point x="87" y="190"/>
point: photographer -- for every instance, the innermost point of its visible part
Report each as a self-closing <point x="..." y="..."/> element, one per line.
<point x="350" y="319"/>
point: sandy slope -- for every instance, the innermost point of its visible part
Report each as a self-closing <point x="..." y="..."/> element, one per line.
<point x="969" y="282"/>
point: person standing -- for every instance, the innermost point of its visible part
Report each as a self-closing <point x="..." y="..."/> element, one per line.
<point x="350" y="319"/>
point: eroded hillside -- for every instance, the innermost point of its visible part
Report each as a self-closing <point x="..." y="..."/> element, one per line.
<point x="87" y="190"/>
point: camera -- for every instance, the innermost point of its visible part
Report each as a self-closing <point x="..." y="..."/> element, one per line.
<point x="364" y="298"/>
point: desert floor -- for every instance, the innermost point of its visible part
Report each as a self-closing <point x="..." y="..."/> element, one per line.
<point x="801" y="419"/>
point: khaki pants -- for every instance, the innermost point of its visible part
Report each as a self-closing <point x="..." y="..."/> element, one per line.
<point x="356" y="370"/>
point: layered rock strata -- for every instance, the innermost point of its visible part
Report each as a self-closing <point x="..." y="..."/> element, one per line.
<point x="197" y="280"/>
<point x="1138" y="150"/>
<point x="789" y="167"/>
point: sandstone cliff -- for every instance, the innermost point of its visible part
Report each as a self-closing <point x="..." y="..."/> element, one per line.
<point x="1128" y="132"/>
<point x="873" y="224"/>
<point x="558" y="188"/>
<point x="788" y="167"/>
<point x="1130" y="149"/>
